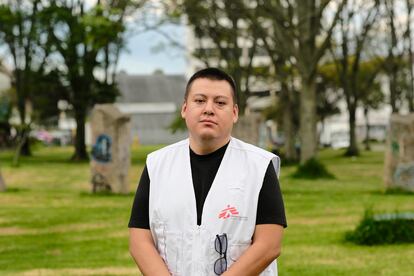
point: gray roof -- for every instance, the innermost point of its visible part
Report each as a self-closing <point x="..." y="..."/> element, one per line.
<point x="151" y="88"/>
<point x="152" y="102"/>
<point x="152" y="129"/>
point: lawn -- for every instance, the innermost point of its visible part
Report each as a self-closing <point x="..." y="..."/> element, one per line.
<point x="50" y="223"/>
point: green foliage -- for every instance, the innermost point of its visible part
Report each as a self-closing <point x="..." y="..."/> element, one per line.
<point x="104" y="92"/>
<point x="367" y="84"/>
<point x="178" y="124"/>
<point x="47" y="91"/>
<point x="88" y="39"/>
<point x="5" y="109"/>
<point x="383" y="229"/>
<point x="5" y="112"/>
<point x="312" y="169"/>
<point x="398" y="191"/>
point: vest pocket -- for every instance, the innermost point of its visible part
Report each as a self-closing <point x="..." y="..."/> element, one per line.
<point x="173" y="254"/>
<point x="159" y="238"/>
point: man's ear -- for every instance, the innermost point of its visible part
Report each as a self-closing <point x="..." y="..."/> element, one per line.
<point x="183" y="109"/>
<point x="235" y="113"/>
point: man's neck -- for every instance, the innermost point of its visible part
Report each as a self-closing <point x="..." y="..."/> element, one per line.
<point x="204" y="147"/>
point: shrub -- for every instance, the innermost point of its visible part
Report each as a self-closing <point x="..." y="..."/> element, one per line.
<point x="312" y="169"/>
<point x="383" y="229"/>
<point x="398" y="191"/>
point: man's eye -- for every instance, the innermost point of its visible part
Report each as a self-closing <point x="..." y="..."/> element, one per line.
<point x="221" y="103"/>
<point x="199" y="100"/>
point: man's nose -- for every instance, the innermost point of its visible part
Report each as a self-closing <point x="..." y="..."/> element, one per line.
<point x="209" y="108"/>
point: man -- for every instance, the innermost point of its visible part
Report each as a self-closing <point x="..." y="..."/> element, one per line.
<point x="210" y="204"/>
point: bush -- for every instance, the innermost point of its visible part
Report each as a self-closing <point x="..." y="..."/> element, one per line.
<point x="383" y="229"/>
<point x="312" y="169"/>
<point x="398" y="191"/>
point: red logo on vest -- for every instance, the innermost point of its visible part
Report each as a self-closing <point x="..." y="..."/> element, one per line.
<point x="228" y="212"/>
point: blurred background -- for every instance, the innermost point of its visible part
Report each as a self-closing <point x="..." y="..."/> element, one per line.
<point x="318" y="82"/>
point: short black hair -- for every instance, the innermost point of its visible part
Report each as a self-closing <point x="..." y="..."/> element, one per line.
<point x="212" y="73"/>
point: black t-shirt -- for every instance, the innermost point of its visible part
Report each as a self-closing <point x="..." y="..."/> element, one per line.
<point x="270" y="209"/>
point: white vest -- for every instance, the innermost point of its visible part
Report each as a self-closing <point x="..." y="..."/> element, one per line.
<point x="230" y="206"/>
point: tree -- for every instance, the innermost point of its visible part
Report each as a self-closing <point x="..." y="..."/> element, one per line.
<point x="88" y="41"/>
<point x="409" y="48"/>
<point x="297" y="28"/>
<point x="223" y="38"/>
<point x="395" y="65"/>
<point x="20" y="33"/>
<point x="47" y="91"/>
<point x="5" y="110"/>
<point x="356" y="21"/>
<point x="327" y="94"/>
<point x="288" y="99"/>
<point x="372" y="98"/>
<point x="5" y="113"/>
<point x="284" y="112"/>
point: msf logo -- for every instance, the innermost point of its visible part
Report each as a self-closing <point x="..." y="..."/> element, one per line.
<point x="228" y="212"/>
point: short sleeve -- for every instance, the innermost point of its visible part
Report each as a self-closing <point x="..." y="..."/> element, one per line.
<point x="140" y="208"/>
<point x="270" y="208"/>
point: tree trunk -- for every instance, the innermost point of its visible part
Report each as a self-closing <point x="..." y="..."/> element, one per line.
<point x="24" y="130"/>
<point x="353" y="146"/>
<point x="393" y="88"/>
<point x="391" y="60"/>
<point x="288" y="127"/>
<point x="80" y="146"/>
<point x="23" y="140"/>
<point x="289" y="130"/>
<point x="241" y="95"/>
<point x="2" y="183"/>
<point x="411" y="80"/>
<point x="410" y="58"/>
<point x="367" y="138"/>
<point x="308" y="145"/>
<point x="26" y="150"/>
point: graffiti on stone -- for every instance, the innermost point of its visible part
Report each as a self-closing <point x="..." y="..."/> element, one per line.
<point x="395" y="147"/>
<point x="110" y="154"/>
<point x="399" y="156"/>
<point x="101" y="150"/>
<point x="100" y="183"/>
<point x="404" y="175"/>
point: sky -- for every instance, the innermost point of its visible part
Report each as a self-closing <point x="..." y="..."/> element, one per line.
<point x="149" y="51"/>
<point x="143" y="53"/>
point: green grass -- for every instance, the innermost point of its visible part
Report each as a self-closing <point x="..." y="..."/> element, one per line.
<point x="50" y="224"/>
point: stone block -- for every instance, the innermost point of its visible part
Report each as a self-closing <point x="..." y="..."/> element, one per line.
<point x="111" y="137"/>
<point x="399" y="155"/>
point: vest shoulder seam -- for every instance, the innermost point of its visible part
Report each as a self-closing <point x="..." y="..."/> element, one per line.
<point x="169" y="147"/>
<point x="253" y="149"/>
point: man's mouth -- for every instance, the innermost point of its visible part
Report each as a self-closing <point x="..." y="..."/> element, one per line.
<point x="208" y="121"/>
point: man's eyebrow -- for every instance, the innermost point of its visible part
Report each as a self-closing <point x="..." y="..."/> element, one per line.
<point x="216" y="97"/>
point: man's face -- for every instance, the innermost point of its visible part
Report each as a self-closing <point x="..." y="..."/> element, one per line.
<point x="209" y="110"/>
